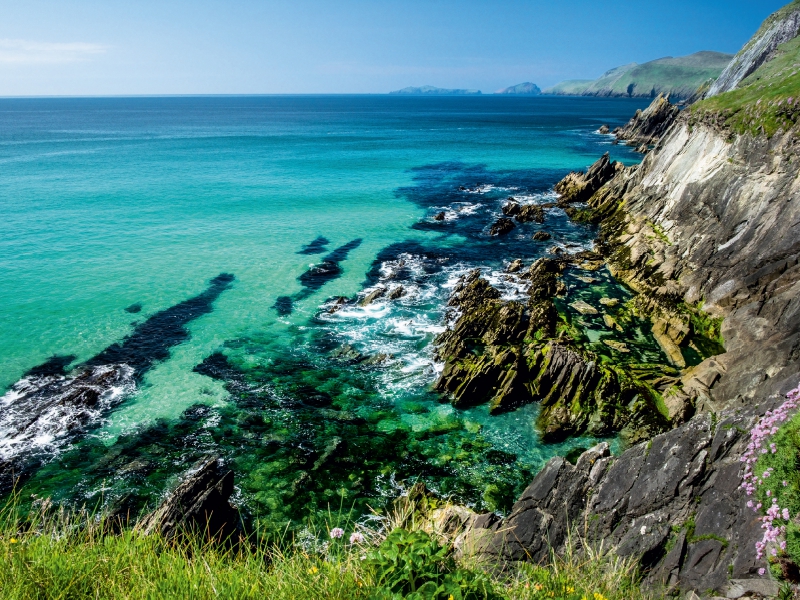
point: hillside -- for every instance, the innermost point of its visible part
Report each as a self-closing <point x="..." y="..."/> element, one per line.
<point x="679" y="77"/>
<point x="521" y="89"/>
<point x="766" y="102"/>
<point x="779" y="28"/>
<point x="429" y="90"/>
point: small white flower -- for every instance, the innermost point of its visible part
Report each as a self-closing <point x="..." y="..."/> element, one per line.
<point x="643" y="530"/>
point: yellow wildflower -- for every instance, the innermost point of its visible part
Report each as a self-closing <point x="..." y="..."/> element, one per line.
<point x="451" y="597"/>
<point x="599" y="596"/>
<point x="13" y="540"/>
<point x="570" y="589"/>
<point x="313" y="570"/>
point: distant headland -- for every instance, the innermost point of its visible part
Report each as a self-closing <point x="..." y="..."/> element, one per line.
<point x="429" y="90"/>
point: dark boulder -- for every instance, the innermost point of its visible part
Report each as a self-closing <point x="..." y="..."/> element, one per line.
<point x="439" y="216"/>
<point x="530" y="213"/>
<point x="541" y="236"/>
<point x="511" y="208"/>
<point x="199" y="504"/>
<point x="502" y="226"/>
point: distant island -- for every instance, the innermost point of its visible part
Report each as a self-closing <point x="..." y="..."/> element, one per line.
<point x="526" y="89"/>
<point x="679" y="77"/>
<point x="429" y="90"/>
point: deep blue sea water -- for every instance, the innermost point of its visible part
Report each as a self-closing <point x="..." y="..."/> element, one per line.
<point x="118" y="210"/>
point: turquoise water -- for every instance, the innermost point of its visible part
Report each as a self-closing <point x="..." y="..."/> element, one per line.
<point x="114" y="204"/>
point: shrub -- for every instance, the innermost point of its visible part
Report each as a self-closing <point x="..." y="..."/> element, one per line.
<point x="411" y="564"/>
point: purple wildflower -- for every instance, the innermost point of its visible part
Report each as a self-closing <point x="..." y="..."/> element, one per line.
<point x="337" y="532"/>
<point x="356" y="538"/>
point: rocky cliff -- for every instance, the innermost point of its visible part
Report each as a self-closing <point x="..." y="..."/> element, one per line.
<point x="709" y="219"/>
<point x="778" y="29"/>
<point x="674" y="502"/>
<point x="649" y="125"/>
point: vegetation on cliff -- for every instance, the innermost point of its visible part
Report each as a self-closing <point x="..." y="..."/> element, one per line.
<point x="59" y="555"/>
<point x="772" y="480"/>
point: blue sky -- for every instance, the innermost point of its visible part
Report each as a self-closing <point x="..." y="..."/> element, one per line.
<point x="91" y="47"/>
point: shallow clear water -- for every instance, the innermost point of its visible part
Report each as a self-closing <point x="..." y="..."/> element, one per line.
<point x="138" y="203"/>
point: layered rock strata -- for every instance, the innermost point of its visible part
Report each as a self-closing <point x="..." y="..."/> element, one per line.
<point x="200" y="504"/>
<point x="579" y="187"/>
<point x="708" y="220"/>
<point x="779" y="28"/>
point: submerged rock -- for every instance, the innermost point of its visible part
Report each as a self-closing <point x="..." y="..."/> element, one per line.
<point x="615" y="345"/>
<point x="584" y="308"/>
<point x="439" y="216"/>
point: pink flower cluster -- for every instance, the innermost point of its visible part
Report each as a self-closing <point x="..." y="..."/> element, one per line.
<point x="773" y="521"/>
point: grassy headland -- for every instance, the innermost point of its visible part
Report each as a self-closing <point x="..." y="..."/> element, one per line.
<point x="766" y="102"/>
<point x="680" y="77"/>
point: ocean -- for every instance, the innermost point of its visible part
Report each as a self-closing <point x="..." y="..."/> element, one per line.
<point x="179" y="260"/>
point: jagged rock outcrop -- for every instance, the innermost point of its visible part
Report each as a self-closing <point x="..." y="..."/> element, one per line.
<point x="579" y="187"/>
<point x="508" y="354"/>
<point x="524" y="213"/>
<point x="200" y="503"/>
<point x="780" y="27"/>
<point x="649" y="125"/>
<point x="674" y="502"/>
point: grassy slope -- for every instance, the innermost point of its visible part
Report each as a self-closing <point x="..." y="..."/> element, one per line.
<point x="761" y="104"/>
<point x="570" y="87"/>
<point x="67" y="557"/>
<point x="677" y="76"/>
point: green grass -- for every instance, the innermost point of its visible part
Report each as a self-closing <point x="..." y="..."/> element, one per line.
<point x="760" y="104"/>
<point x="65" y="556"/>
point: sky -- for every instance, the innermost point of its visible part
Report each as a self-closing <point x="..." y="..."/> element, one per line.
<point x="133" y="47"/>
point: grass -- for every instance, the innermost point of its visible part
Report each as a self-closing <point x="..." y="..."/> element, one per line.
<point x="55" y="554"/>
<point x="766" y="102"/>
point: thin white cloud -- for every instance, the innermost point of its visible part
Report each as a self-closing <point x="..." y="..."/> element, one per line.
<point x="27" y="52"/>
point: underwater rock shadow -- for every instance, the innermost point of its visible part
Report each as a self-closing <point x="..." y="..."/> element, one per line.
<point x="318" y="246"/>
<point x="328" y="270"/>
<point x="151" y="341"/>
